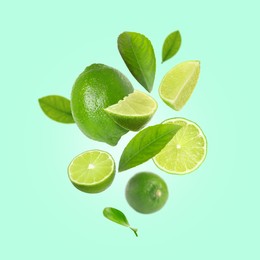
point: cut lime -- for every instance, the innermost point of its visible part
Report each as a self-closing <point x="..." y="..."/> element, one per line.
<point x="97" y="87"/>
<point x="92" y="171"/>
<point x="134" y="111"/>
<point x="178" y="84"/>
<point x="186" y="151"/>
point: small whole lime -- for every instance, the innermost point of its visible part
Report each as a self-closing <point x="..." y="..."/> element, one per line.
<point x="146" y="192"/>
<point x="96" y="88"/>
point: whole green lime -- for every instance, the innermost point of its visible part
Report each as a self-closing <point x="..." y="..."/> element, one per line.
<point x="146" y="192"/>
<point x="96" y="88"/>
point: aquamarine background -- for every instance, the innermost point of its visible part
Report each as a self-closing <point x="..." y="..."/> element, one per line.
<point x="211" y="214"/>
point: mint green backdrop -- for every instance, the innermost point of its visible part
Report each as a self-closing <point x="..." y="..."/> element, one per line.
<point x="212" y="213"/>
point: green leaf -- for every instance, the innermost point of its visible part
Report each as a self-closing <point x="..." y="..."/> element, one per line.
<point x="138" y="55"/>
<point x="57" y="108"/>
<point x="118" y="217"/>
<point x="171" y="45"/>
<point x="146" y="144"/>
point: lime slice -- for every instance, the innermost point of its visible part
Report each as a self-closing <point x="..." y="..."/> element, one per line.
<point x="92" y="171"/>
<point x="186" y="151"/>
<point x="134" y="111"/>
<point x="178" y="84"/>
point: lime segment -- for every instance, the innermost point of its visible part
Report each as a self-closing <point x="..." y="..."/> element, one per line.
<point x="178" y="84"/>
<point x="186" y="151"/>
<point x="134" y="111"/>
<point x="92" y="171"/>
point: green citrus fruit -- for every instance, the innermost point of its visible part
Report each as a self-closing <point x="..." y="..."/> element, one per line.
<point x="146" y="192"/>
<point x="92" y="171"/>
<point x="96" y="88"/>
<point x="134" y="111"/>
<point x="178" y="84"/>
<point x="186" y="151"/>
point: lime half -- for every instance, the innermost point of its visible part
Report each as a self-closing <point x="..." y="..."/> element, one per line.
<point x="186" y="151"/>
<point x="134" y="111"/>
<point x="92" y="171"/>
<point x="178" y="84"/>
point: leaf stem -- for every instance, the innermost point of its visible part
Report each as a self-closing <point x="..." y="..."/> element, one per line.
<point x="135" y="230"/>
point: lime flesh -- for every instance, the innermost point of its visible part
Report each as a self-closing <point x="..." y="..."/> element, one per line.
<point x="178" y="84"/>
<point x="134" y="111"/>
<point x="186" y="151"/>
<point x="92" y="171"/>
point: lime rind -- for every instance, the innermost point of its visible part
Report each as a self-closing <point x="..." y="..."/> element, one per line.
<point x="146" y="192"/>
<point x="92" y="171"/>
<point x="169" y="152"/>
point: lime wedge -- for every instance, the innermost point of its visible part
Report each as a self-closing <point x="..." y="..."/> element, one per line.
<point x="178" y="84"/>
<point x="134" y="111"/>
<point x="92" y="171"/>
<point x="186" y="151"/>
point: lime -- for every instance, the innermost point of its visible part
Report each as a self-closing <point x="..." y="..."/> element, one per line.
<point x="178" y="84"/>
<point x="96" y="88"/>
<point x="92" y="171"/>
<point x="146" y="192"/>
<point x="134" y="111"/>
<point x="186" y="151"/>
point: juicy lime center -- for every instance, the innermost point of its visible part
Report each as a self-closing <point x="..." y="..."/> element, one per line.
<point x="91" y="168"/>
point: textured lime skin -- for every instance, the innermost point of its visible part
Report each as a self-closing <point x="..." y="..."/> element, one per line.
<point x="146" y="192"/>
<point x="96" y="88"/>
<point x="131" y="123"/>
<point x="95" y="188"/>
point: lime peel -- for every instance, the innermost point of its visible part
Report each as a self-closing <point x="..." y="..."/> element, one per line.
<point x="146" y="192"/>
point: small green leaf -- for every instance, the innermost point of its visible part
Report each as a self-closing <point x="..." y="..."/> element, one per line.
<point x="138" y="55"/>
<point x="57" y="108"/>
<point x="171" y="45"/>
<point x="118" y="217"/>
<point x="146" y="144"/>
